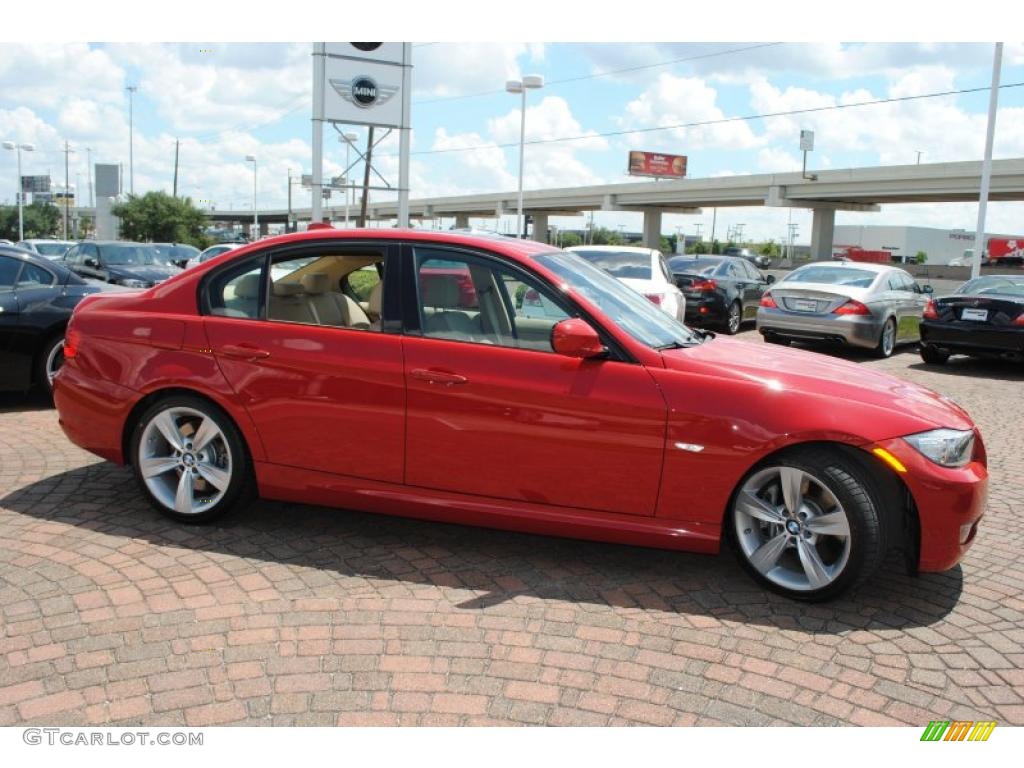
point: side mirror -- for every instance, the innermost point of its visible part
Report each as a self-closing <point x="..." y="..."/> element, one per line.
<point x="770" y="279"/>
<point x="91" y="262"/>
<point x="576" y="338"/>
<point x="927" y="289"/>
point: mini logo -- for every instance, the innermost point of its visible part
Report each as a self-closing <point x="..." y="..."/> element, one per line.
<point x="367" y="47"/>
<point x="958" y="730"/>
<point x="363" y="91"/>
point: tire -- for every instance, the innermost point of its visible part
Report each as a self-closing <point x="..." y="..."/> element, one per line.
<point x="220" y="471"/>
<point x="733" y="319"/>
<point x="886" y="340"/>
<point x="49" y="361"/>
<point x="808" y="563"/>
<point x="933" y="356"/>
<point x="771" y="338"/>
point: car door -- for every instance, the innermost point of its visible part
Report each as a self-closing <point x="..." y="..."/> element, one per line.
<point x="15" y="370"/>
<point x="323" y="384"/>
<point x="494" y="412"/>
<point x="754" y="288"/>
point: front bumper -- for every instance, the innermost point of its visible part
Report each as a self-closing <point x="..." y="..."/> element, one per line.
<point x="973" y="338"/>
<point x="855" y="330"/>
<point x="950" y="502"/>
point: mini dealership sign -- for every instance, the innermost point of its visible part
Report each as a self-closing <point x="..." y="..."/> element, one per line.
<point x="657" y="165"/>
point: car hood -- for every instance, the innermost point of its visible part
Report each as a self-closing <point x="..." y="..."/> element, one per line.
<point x="799" y="372"/>
<point x="152" y="273"/>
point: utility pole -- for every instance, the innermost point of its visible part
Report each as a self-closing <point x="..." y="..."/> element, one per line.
<point x="131" y="138"/>
<point x="88" y="154"/>
<point x="366" y="178"/>
<point x="714" y="221"/>
<point x="176" y="143"/>
<point x="67" y="189"/>
<point x="288" y="226"/>
<point x="986" y="166"/>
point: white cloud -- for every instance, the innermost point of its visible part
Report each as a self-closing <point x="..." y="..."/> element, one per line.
<point x="456" y="69"/>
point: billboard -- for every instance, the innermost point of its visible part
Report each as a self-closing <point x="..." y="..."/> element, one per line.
<point x="363" y="83"/>
<point x="108" y="180"/>
<point x="657" y="164"/>
<point x="35" y="185"/>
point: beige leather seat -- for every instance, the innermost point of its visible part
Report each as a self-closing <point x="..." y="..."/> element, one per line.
<point x="288" y="302"/>
<point x="375" y="304"/>
<point x="245" y="302"/>
<point x="438" y="295"/>
<point x="332" y="307"/>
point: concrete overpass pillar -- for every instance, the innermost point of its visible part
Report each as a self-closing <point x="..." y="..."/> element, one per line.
<point x="822" y="234"/>
<point x="540" y="227"/>
<point x="461" y="221"/>
<point x="264" y="228"/>
<point x="652" y="229"/>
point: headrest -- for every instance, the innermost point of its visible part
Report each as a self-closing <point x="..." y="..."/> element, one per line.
<point x="248" y="287"/>
<point x="376" y="298"/>
<point x="316" y="282"/>
<point x="441" y="291"/>
<point x="287" y="289"/>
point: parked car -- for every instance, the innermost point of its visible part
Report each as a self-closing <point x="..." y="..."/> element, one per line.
<point x="51" y="249"/>
<point x="757" y="259"/>
<point x="209" y="253"/>
<point x="175" y="254"/>
<point x="722" y="291"/>
<point x="983" y="318"/>
<point x="36" y="299"/>
<point x="861" y="305"/>
<point x="133" y="265"/>
<point x="611" y="421"/>
<point x="642" y="269"/>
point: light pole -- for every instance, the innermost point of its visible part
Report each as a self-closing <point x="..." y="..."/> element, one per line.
<point x="88" y="168"/>
<point x="21" y="192"/>
<point x="520" y="87"/>
<point x="255" y="213"/>
<point x="131" y="138"/>
<point x="919" y="153"/>
<point x="348" y="138"/>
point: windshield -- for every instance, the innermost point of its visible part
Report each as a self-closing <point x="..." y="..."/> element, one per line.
<point x="1005" y="286"/>
<point x="855" y="278"/>
<point x="128" y="255"/>
<point x="52" y="249"/>
<point x="625" y="307"/>
<point x="621" y="264"/>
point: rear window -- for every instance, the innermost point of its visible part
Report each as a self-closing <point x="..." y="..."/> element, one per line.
<point x="620" y="264"/>
<point x="998" y="286"/>
<point x="855" y="278"/>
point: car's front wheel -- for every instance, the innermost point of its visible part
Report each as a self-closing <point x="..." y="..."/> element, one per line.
<point x="886" y="339"/>
<point x="807" y="524"/>
<point x="190" y="460"/>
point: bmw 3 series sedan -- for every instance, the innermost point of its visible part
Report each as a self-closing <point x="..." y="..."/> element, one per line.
<point x="871" y="306"/>
<point x="391" y="371"/>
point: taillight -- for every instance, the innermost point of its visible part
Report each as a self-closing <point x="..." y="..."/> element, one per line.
<point x="531" y="298"/>
<point x="704" y="285"/>
<point x="930" y="312"/>
<point x="72" y="338"/>
<point x="768" y="301"/>
<point x="1020" y="319"/>
<point x="852" y="308"/>
<point x="654" y="298"/>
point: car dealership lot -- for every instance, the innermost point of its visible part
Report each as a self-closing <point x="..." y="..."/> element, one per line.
<point x="290" y="614"/>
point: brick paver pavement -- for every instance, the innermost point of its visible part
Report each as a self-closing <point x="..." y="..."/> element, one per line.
<point x="289" y="614"/>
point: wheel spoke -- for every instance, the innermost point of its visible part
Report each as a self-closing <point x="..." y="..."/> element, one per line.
<point x="216" y="476"/>
<point x="767" y="555"/>
<point x="157" y="466"/>
<point x="169" y="429"/>
<point x="754" y="506"/>
<point x="830" y="524"/>
<point x="206" y="432"/>
<point x="792" y="481"/>
<point x="817" y="573"/>
<point x="183" y="498"/>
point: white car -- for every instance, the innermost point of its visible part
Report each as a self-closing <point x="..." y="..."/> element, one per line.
<point x="642" y="269"/>
<point x="209" y="253"/>
<point x="51" y="249"/>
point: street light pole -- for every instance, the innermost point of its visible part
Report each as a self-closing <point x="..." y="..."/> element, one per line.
<point x="288" y="226"/>
<point x="520" y="87"/>
<point x="255" y="212"/>
<point x="986" y="166"/>
<point x="131" y="138"/>
<point x="21" y="191"/>
<point x="88" y="154"/>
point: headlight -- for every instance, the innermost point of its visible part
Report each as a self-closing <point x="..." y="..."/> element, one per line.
<point x="129" y="283"/>
<point x="946" y="447"/>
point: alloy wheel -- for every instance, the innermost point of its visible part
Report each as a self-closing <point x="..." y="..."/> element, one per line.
<point x="735" y="314"/>
<point x="888" y="338"/>
<point x="54" y="360"/>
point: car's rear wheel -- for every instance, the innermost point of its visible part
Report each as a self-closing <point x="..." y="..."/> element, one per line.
<point x="807" y="525"/>
<point x="51" y="358"/>
<point x="933" y="356"/>
<point x="886" y="339"/>
<point x="734" y="319"/>
<point x="190" y="460"/>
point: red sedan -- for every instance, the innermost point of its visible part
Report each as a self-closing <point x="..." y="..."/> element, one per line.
<point x="322" y="368"/>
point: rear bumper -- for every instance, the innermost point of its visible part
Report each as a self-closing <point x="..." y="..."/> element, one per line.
<point x="950" y="503"/>
<point x="854" y="330"/>
<point x="92" y="411"/>
<point x="973" y="337"/>
<point x="705" y="309"/>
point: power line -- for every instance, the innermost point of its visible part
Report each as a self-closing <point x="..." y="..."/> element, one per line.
<point x="606" y="73"/>
<point x="719" y="121"/>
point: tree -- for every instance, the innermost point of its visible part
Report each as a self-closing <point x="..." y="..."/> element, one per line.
<point x="668" y="245"/>
<point x="699" y="248"/>
<point x="716" y="247"/>
<point x="770" y="248"/>
<point x="570" y="239"/>
<point x="157" y="217"/>
<point x="605" y="236"/>
<point x="41" y="220"/>
<point x="920" y="257"/>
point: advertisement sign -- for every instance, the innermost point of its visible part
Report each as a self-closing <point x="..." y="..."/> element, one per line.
<point x="35" y="185"/>
<point x="364" y="87"/>
<point x="657" y="165"/>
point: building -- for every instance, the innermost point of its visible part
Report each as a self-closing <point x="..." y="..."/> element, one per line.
<point x="941" y="245"/>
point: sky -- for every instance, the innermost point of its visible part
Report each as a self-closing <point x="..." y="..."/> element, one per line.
<point x="224" y="101"/>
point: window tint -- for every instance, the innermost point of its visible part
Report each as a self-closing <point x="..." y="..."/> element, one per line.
<point x="8" y="272"/>
<point x="858" y="278"/>
<point x="477" y="300"/>
<point x="620" y="264"/>
<point x="235" y="292"/>
<point x="32" y="276"/>
<point x="339" y="290"/>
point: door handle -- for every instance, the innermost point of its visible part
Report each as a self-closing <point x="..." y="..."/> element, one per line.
<point x="244" y="351"/>
<point x="438" y="377"/>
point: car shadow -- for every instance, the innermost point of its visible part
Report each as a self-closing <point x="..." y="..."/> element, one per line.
<point x="35" y="400"/>
<point x="975" y="367"/>
<point x="499" y="566"/>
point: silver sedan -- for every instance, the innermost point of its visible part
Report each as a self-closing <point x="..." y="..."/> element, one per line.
<point x="874" y="306"/>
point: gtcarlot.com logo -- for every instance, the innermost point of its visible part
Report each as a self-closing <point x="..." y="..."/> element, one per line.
<point x="958" y="730"/>
<point x="80" y="737"/>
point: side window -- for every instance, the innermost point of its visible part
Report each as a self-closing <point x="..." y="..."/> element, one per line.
<point x="71" y="257"/>
<point x="908" y="282"/>
<point x="340" y="290"/>
<point x="465" y="298"/>
<point x="235" y="292"/>
<point x="752" y="271"/>
<point x="88" y="251"/>
<point x="733" y="270"/>
<point x="34" y="277"/>
<point x="8" y="272"/>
